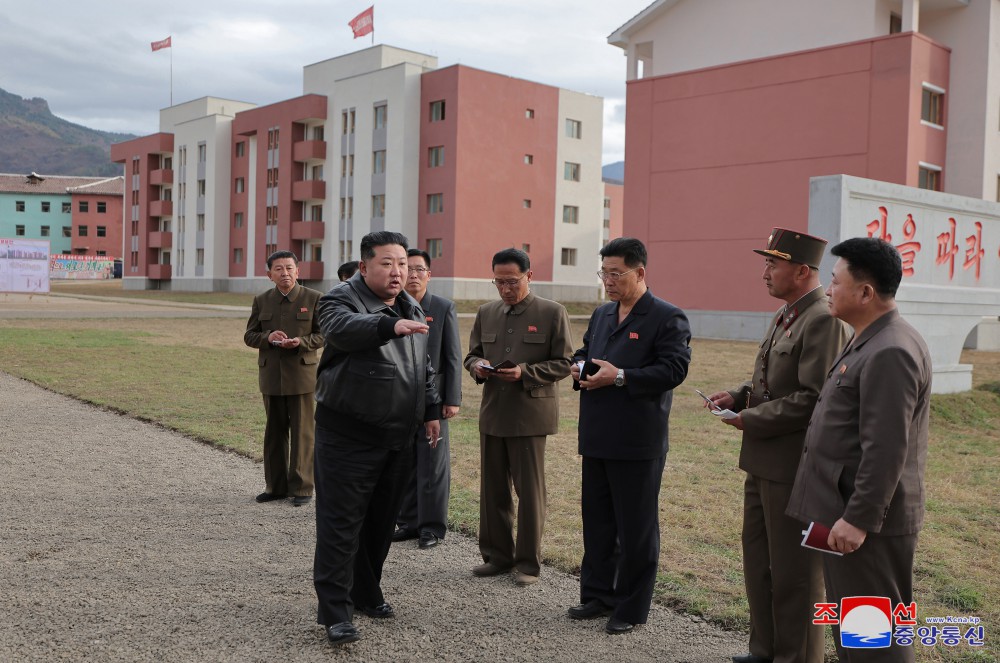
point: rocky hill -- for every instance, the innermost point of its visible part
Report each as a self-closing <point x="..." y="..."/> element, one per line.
<point x="33" y="139"/>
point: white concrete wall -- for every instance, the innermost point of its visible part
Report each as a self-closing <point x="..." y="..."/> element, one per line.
<point x="587" y="194"/>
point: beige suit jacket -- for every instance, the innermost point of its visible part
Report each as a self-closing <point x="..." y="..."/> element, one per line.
<point x="534" y="334"/>
<point x="286" y="372"/>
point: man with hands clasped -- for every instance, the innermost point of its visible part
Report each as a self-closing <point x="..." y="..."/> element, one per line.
<point x="635" y="351"/>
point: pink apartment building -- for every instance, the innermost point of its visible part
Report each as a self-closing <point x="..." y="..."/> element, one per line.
<point x="730" y="113"/>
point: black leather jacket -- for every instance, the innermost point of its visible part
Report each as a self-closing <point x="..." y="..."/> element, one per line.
<point x="367" y="373"/>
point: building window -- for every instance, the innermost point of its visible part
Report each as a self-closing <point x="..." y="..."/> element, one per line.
<point x="102" y="231"/>
<point x="435" y="203"/>
<point x="201" y="222"/>
<point x="316" y="213"/>
<point x="437" y="110"/>
<point x="529" y="113"/>
<point x="19" y="205"/>
<point x="241" y="149"/>
<point x="574" y="128"/>
<point x="343" y="122"/>
<point x="569" y="257"/>
<point x="238" y="256"/>
<point x="381" y="115"/>
<point x="571" y="172"/>
<point x="571" y="214"/>
<point x="895" y="23"/>
<point x="318" y="133"/>
<point x="202" y="188"/>
<point x="378" y="205"/>
<point x="45" y="231"/>
<point x="67" y="231"/>
<point x="67" y="208"/>
<point x="102" y="207"/>
<point x="45" y="206"/>
<point x="434" y="249"/>
<point x="526" y="203"/>
<point x="202" y="153"/>
<point x="84" y="206"/>
<point x="238" y="220"/>
<point x="526" y="248"/>
<point x="932" y="105"/>
<point x="529" y="159"/>
<point x="82" y="231"/>
<point x="930" y="177"/>
<point x="378" y="162"/>
<point x="240" y="184"/>
<point x="435" y="156"/>
<point x="317" y="173"/>
<point x="199" y="257"/>
<point x="102" y="253"/>
<point x="351" y="117"/>
<point x="19" y="231"/>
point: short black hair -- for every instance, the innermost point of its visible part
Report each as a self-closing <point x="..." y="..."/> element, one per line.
<point x="874" y="261"/>
<point x="381" y="238"/>
<point x="515" y="256"/>
<point x="629" y="248"/>
<point x="347" y="270"/>
<point x="413" y="253"/>
<point x="278" y="255"/>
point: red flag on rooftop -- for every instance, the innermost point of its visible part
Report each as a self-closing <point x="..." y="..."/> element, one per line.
<point x="363" y="23"/>
<point x="157" y="45"/>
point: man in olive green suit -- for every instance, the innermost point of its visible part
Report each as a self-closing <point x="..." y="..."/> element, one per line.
<point x="520" y="407"/>
<point x="783" y="580"/>
<point x="285" y="330"/>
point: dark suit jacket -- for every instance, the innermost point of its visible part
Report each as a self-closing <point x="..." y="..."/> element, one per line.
<point x="535" y="335"/>
<point x="285" y="372"/>
<point x="797" y="364"/>
<point x="652" y="345"/>
<point x="444" y="347"/>
<point x="866" y="448"/>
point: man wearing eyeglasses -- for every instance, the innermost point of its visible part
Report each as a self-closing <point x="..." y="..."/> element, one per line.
<point x="783" y="579"/>
<point x="520" y="347"/>
<point x="424" y="512"/>
<point x="635" y="351"/>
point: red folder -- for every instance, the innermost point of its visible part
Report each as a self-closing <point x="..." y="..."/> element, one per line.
<point x="816" y="536"/>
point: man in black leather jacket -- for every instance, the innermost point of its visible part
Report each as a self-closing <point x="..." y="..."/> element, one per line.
<point x="374" y="388"/>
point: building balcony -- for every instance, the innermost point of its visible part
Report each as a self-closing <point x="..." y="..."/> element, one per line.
<point x="161" y="177"/>
<point x="308" y="230"/>
<point x="158" y="272"/>
<point x="309" y="190"/>
<point x="304" y="150"/>
<point x="161" y="240"/>
<point x="161" y="208"/>
<point x="310" y="271"/>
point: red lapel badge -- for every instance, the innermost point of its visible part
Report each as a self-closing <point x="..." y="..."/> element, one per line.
<point x="532" y="328"/>
<point x="634" y="335"/>
<point x="303" y="310"/>
<point x="430" y="318"/>
<point x="843" y="368"/>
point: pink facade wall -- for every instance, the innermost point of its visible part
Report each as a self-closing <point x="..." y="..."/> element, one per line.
<point x="147" y="150"/>
<point x="616" y="194"/>
<point x="287" y="117"/>
<point x="110" y="220"/>
<point x="484" y="190"/>
<point x="717" y="157"/>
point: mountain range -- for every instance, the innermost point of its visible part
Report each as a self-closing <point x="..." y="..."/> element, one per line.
<point x="32" y="139"/>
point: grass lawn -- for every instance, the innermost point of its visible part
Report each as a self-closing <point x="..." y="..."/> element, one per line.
<point x="196" y="376"/>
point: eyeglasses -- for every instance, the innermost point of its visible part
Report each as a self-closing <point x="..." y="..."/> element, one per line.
<point x="510" y="283"/>
<point x="613" y="276"/>
<point x="417" y="270"/>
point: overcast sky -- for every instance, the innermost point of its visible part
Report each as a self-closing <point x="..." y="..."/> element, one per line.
<point x="92" y="60"/>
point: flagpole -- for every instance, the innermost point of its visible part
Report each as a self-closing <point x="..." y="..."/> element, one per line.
<point x="171" y="74"/>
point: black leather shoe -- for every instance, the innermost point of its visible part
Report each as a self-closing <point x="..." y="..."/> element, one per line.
<point x="269" y="497"/>
<point x="342" y="633"/>
<point x="617" y="626"/>
<point x="299" y="500"/>
<point x="383" y="611"/>
<point x="590" y="610"/>
<point x="403" y="534"/>
<point x="428" y="540"/>
<point x="751" y="658"/>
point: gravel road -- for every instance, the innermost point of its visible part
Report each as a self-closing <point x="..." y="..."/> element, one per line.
<point x="121" y="541"/>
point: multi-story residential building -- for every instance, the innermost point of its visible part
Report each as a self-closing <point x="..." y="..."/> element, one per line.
<point x="75" y="214"/>
<point x="733" y="106"/>
<point x="374" y="143"/>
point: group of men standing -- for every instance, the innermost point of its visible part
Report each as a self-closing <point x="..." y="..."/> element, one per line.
<point x="822" y="439"/>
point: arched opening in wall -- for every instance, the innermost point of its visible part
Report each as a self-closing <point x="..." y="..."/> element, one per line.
<point x="984" y="336"/>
